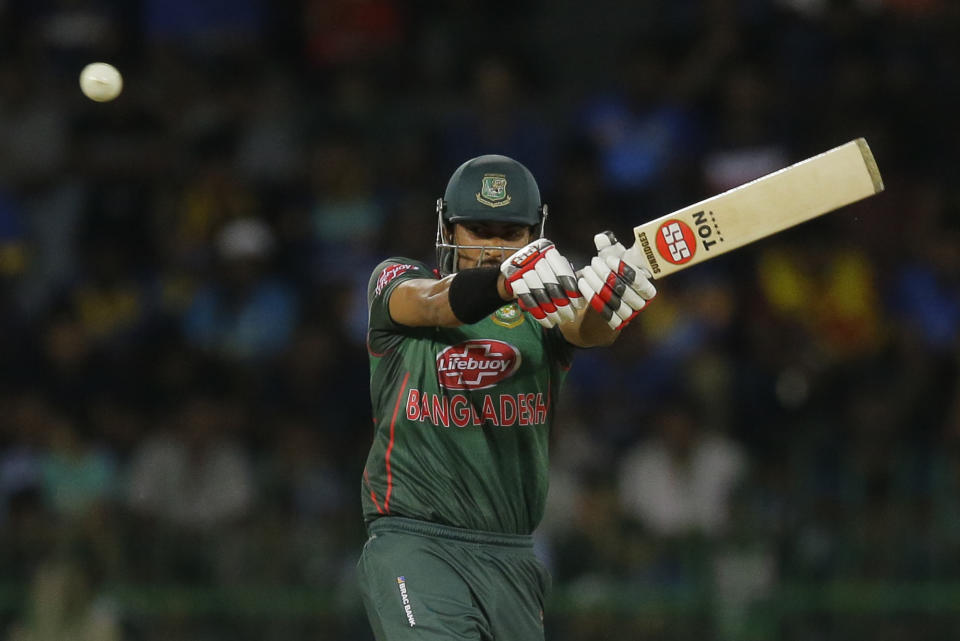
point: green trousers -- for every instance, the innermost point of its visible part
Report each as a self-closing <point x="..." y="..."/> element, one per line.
<point x="430" y="582"/>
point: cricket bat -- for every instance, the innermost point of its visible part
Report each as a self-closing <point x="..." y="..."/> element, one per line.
<point x="757" y="209"/>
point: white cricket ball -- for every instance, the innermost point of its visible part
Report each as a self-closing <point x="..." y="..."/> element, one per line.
<point x="101" y="82"/>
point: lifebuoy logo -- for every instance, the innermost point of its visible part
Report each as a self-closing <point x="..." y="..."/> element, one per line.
<point x="676" y="242"/>
<point x="476" y="364"/>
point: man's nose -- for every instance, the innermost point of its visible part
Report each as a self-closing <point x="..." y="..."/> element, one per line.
<point x="490" y="253"/>
<point x="496" y="248"/>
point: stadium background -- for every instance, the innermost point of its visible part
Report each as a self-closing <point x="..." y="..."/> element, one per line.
<point x="774" y="452"/>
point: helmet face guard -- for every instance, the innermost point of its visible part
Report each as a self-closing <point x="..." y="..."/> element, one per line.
<point x="448" y="251"/>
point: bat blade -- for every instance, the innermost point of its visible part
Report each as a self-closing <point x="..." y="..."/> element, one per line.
<point x="757" y="209"/>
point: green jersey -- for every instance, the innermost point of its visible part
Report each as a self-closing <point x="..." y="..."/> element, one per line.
<point x="461" y="415"/>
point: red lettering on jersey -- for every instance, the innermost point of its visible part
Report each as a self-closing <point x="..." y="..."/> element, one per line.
<point x="441" y="415"/>
<point x="523" y="415"/>
<point x="413" y="405"/>
<point x="531" y="409"/>
<point x="460" y="410"/>
<point x="508" y="410"/>
<point x="489" y="410"/>
<point x="519" y="409"/>
<point x="425" y="411"/>
<point x="541" y="410"/>
<point x="476" y="416"/>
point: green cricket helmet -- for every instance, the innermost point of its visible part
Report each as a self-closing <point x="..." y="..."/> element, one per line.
<point x="491" y="188"/>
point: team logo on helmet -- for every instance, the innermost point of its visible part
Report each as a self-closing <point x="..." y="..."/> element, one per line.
<point x="508" y="316"/>
<point x="493" y="190"/>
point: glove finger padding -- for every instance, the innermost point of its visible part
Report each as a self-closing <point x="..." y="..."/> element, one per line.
<point x="606" y="240"/>
<point x="527" y="302"/>
<point x="619" y="288"/>
<point x="542" y="280"/>
<point x="566" y="278"/>
<point x="637" y="278"/>
<point x="605" y="299"/>
<point x="539" y="292"/>
<point x="616" y="290"/>
<point x="551" y="284"/>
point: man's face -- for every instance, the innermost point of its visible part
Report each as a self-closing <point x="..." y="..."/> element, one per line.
<point x="488" y="235"/>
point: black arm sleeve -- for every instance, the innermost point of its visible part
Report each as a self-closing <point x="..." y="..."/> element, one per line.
<point x="473" y="294"/>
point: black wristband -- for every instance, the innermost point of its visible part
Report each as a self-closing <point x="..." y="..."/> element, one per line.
<point x="474" y="295"/>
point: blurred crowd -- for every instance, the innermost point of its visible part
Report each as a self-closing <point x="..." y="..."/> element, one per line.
<point x="184" y="403"/>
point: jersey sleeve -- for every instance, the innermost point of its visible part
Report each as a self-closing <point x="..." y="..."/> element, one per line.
<point x="382" y="331"/>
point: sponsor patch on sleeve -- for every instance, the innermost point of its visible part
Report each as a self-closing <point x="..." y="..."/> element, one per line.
<point x="389" y="273"/>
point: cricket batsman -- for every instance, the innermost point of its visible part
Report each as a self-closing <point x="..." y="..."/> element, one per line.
<point x="466" y="367"/>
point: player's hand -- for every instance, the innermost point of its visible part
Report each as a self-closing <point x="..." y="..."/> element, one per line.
<point x="543" y="282"/>
<point x="616" y="289"/>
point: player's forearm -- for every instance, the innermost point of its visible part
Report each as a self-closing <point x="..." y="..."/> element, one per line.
<point x="427" y="303"/>
<point x="423" y="303"/>
<point x="589" y="330"/>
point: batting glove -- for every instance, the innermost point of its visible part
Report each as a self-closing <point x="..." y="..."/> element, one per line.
<point x="543" y="282"/>
<point x="616" y="289"/>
